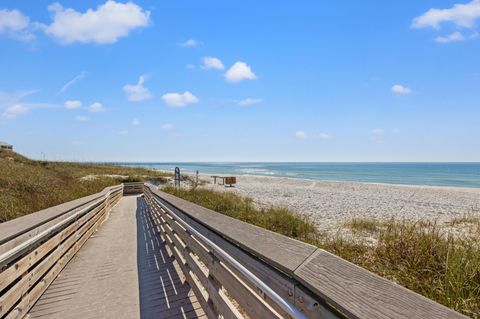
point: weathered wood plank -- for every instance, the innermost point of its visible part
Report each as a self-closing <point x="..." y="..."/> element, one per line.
<point x="29" y="225"/>
<point x="29" y="299"/>
<point x="278" y="281"/>
<point x="313" y="306"/>
<point x="361" y="294"/>
<point x="132" y="188"/>
<point x="279" y="251"/>
<point x="245" y="295"/>
<point x="9" y="298"/>
<point x="222" y="305"/>
<point x="120" y="276"/>
<point x="19" y="267"/>
<point x="192" y="279"/>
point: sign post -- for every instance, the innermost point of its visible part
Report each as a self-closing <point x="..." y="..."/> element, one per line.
<point x="177" y="176"/>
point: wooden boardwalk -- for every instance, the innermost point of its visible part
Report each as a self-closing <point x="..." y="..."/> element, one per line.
<point x="122" y="271"/>
<point x="116" y="255"/>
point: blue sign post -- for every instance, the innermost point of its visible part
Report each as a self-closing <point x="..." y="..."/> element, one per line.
<point x="177" y="176"/>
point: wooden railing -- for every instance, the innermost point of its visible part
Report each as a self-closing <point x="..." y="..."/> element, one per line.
<point x="236" y="270"/>
<point x="35" y="248"/>
<point x="312" y="281"/>
<point x="132" y="188"/>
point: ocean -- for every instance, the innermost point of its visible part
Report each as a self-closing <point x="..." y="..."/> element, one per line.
<point x="435" y="174"/>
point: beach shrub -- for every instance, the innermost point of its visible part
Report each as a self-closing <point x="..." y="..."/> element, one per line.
<point x="277" y="219"/>
<point x="422" y="256"/>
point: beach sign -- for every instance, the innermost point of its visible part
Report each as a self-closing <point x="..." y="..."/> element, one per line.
<point x="177" y="176"/>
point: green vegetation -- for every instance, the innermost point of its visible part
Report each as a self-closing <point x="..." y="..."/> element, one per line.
<point x="467" y="219"/>
<point x="280" y="220"/>
<point x="362" y="225"/>
<point x="27" y="186"/>
<point x="421" y="256"/>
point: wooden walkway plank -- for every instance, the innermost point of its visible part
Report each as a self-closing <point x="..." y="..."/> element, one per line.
<point x="363" y="294"/>
<point x="122" y="271"/>
<point x="282" y="252"/>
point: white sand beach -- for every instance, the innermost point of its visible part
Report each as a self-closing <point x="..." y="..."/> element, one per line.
<point x="333" y="203"/>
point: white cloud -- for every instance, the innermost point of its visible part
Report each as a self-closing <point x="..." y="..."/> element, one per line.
<point x="179" y="100"/>
<point x="167" y="126"/>
<point x="190" y="43"/>
<point x="190" y="66"/>
<point x="123" y="132"/>
<point x="396" y="131"/>
<point x="81" y="118"/>
<point x="105" y="24"/>
<point x="300" y="134"/>
<point x="454" y="37"/>
<point x="13" y="105"/>
<point x="461" y="15"/>
<point x="15" y="110"/>
<point x="324" y="136"/>
<point x="135" y="122"/>
<point x="210" y="62"/>
<point x="249" y="101"/>
<point x="238" y="72"/>
<point x="14" y="97"/>
<point x="15" y="25"/>
<point x="400" y="89"/>
<point x="377" y="135"/>
<point x="71" y="82"/>
<point x="96" y="107"/>
<point x="73" y="104"/>
<point x="137" y="92"/>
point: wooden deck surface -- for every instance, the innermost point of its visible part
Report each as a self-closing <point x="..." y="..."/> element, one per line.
<point x="122" y="271"/>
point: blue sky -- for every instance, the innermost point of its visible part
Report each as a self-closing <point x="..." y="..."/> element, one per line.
<point x="241" y="80"/>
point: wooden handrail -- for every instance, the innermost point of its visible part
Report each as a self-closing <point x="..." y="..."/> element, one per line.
<point x="320" y="284"/>
<point x="187" y="232"/>
<point x="132" y="188"/>
<point x="34" y="255"/>
<point x="15" y="231"/>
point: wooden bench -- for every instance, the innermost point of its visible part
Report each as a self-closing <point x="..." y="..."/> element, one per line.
<point x="226" y="180"/>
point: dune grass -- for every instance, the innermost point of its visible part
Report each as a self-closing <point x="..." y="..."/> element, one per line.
<point x="27" y="186"/>
<point x="421" y="256"/>
<point x="359" y="225"/>
<point x="277" y="219"/>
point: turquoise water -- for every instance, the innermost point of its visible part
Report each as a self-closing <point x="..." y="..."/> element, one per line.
<point x="439" y="174"/>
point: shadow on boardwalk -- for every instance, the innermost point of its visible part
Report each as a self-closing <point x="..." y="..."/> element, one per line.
<point x="122" y="272"/>
<point x="163" y="293"/>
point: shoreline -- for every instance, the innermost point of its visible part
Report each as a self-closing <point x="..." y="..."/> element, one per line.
<point x="464" y="175"/>
<point x="208" y="176"/>
<point x="358" y="182"/>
